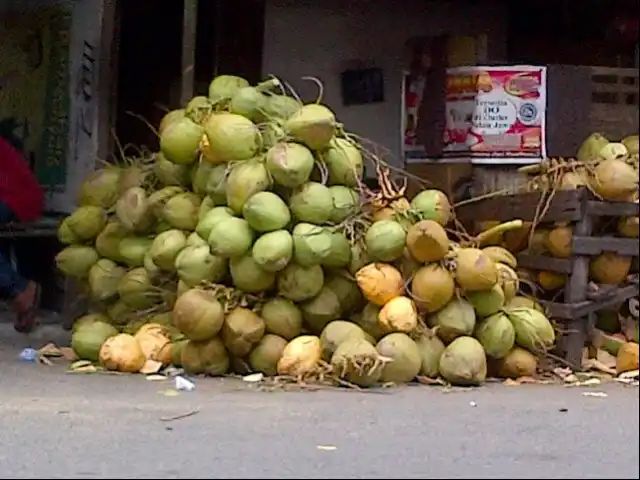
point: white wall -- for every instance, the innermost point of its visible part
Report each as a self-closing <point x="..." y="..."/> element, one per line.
<point x="320" y="38"/>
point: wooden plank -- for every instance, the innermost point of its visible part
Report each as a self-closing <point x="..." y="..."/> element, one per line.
<point x="565" y="207"/>
<point x="577" y="311"/>
<point x="612" y="209"/>
<point x="543" y="262"/>
<point x="597" y="245"/>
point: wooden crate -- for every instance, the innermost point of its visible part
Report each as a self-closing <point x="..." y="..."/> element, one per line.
<point x="579" y="208"/>
<point x="614" y="101"/>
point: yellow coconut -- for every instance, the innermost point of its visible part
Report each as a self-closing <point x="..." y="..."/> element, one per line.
<point x="614" y="180"/>
<point x="122" y="353"/>
<point x="380" y="282"/>
<point x="427" y="241"/>
<point x="501" y="255"/>
<point x="394" y="211"/>
<point x="517" y="363"/>
<point x="432" y="287"/>
<point x="610" y="268"/>
<point x="508" y="280"/>
<point x="559" y="242"/>
<point x="538" y="242"/>
<point x="301" y="356"/>
<point x="520" y="301"/>
<point x="627" y="358"/>
<point x="398" y="315"/>
<point x="551" y="280"/>
<point x="630" y="226"/>
<point x="475" y="270"/>
<point x="154" y="340"/>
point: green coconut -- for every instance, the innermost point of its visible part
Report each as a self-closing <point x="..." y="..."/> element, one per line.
<point x="282" y="317"/>
<point x="231" y="237"/>
<point x="496" y="335"/>
<point x="242" y="329"/>
<point x="533" y="329"/>
<point x="166" y="247"/>
<point x="65" y="235"/>
<point x="212" y="217"/>
<point x="280" y="107"/>
<point x="195" y="240"/>
<point x="405" y="360"/>
<point x="321" y="309"/>
<point x="431" y="349"/>
<point x="340" y="255"/>
<point x="181" y="211"/>
<point x="248" y="102"/>
<point x="178" y="342"/>
<point x="232" y="137"/>
<point x="132" y="250"/>
<point x="108" y="240"/>
<point x="290" y="164"/>
<point x="103" y="278"/>
<point x="169" y="118"/>
<point x="159" y="198"/>
<point x="101" y="188"/>
<point x="464" y="363"/>
<point x="133" y="175"/>
<point x="520" y="301"/>
<point x="76" y="260"/>
<point x="299" y="283"/>
<point x="312" y="203"/>
<point x="432" y="205"/>
<point x="132" y="210"/>
<point x="345" y="203"/>
<point x="486" y="302"/>
<point x="206" y="206"/>
<point x="311" y="244"/>
<point x="336" y="332"/>
<point x="344" y="162"/>
<point x="266" y="212"/>
<point x="86" y="222"/>
<point x="208" y="357"/>
<point x="180" y="141"/>
<point x="312" y="125"/>
<point x="359" y="258"/>
<point x="368" y="321"/>
<point x="273" y="251"/>
<point x="385" y="240"/>
<point x="198" y="314"/>
<point x="88" y="319"/>
<point x="136" y="289"/>
<point x="457" y="318"/>
<point x="198" y="109"/>
<point x="169" y="173"/>
<point x="216" y="187"/>
<point x="223" y="87"/>
<point x="347" y="291"/>
<point x="265" y="355"/>
<point x="119" y="313"/>
<point x="358" y="362"/>
<point x="196" y="264"/>
<point x="245" y="180"/>
<point x="200" y="176"/>
<point x="247" y="275"/>
<point x="87" y="340"/>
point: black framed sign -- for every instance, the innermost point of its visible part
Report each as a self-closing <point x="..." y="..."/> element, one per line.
<point x="362" y="86"/>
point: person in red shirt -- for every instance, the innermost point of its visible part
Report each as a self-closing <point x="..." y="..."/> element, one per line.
<point x="21" y="200"/>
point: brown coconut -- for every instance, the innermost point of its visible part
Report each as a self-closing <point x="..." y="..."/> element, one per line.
<point x="627" y="358"/>
<point x="559" y="242"/>
<point x="517" y="363"/>
<point x="242" y="329"/>
<point x="432" y="287"/>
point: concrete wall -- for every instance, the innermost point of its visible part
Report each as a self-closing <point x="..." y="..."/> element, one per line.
<point x="320" y="39"/>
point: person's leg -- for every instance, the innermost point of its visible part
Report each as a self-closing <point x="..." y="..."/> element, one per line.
<point x="22" y="292"/>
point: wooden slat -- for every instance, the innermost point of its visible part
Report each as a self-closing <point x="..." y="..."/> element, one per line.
<point x="543" y="262"/>
<point x="597" y="245"/>
<point x="612" y="209"/>
<point x="575" y="311"/>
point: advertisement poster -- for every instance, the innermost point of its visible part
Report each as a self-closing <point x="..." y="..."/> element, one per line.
<point x="34" y="87"/>
<point x="496" y="114"/>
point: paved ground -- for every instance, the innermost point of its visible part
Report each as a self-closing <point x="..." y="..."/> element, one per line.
<point x="59" y="425"/>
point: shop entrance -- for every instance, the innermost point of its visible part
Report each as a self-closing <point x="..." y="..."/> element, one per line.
<point x="150" y="36"/>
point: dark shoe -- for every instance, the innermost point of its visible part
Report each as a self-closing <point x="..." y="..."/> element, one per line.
<point x="26" y="318"/>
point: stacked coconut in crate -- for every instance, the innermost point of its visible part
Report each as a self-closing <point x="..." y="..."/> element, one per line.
<point x="249" y="243"/>
<point x="609" y="170"/>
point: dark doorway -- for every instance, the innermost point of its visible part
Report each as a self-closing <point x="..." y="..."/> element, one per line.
<point x="229" y="40"/>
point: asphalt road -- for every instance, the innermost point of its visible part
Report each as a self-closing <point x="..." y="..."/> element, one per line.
<point x="59" y="425"/>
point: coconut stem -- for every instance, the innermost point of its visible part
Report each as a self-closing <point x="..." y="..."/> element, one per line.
<point x="497" y="230"/>
<point x="268" y="85"/>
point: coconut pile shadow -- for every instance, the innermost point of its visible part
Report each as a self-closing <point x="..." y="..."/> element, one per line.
<point x="250" y="242"/>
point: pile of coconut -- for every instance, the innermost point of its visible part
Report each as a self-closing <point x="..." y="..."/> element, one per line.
<point x="249" y="243"/>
